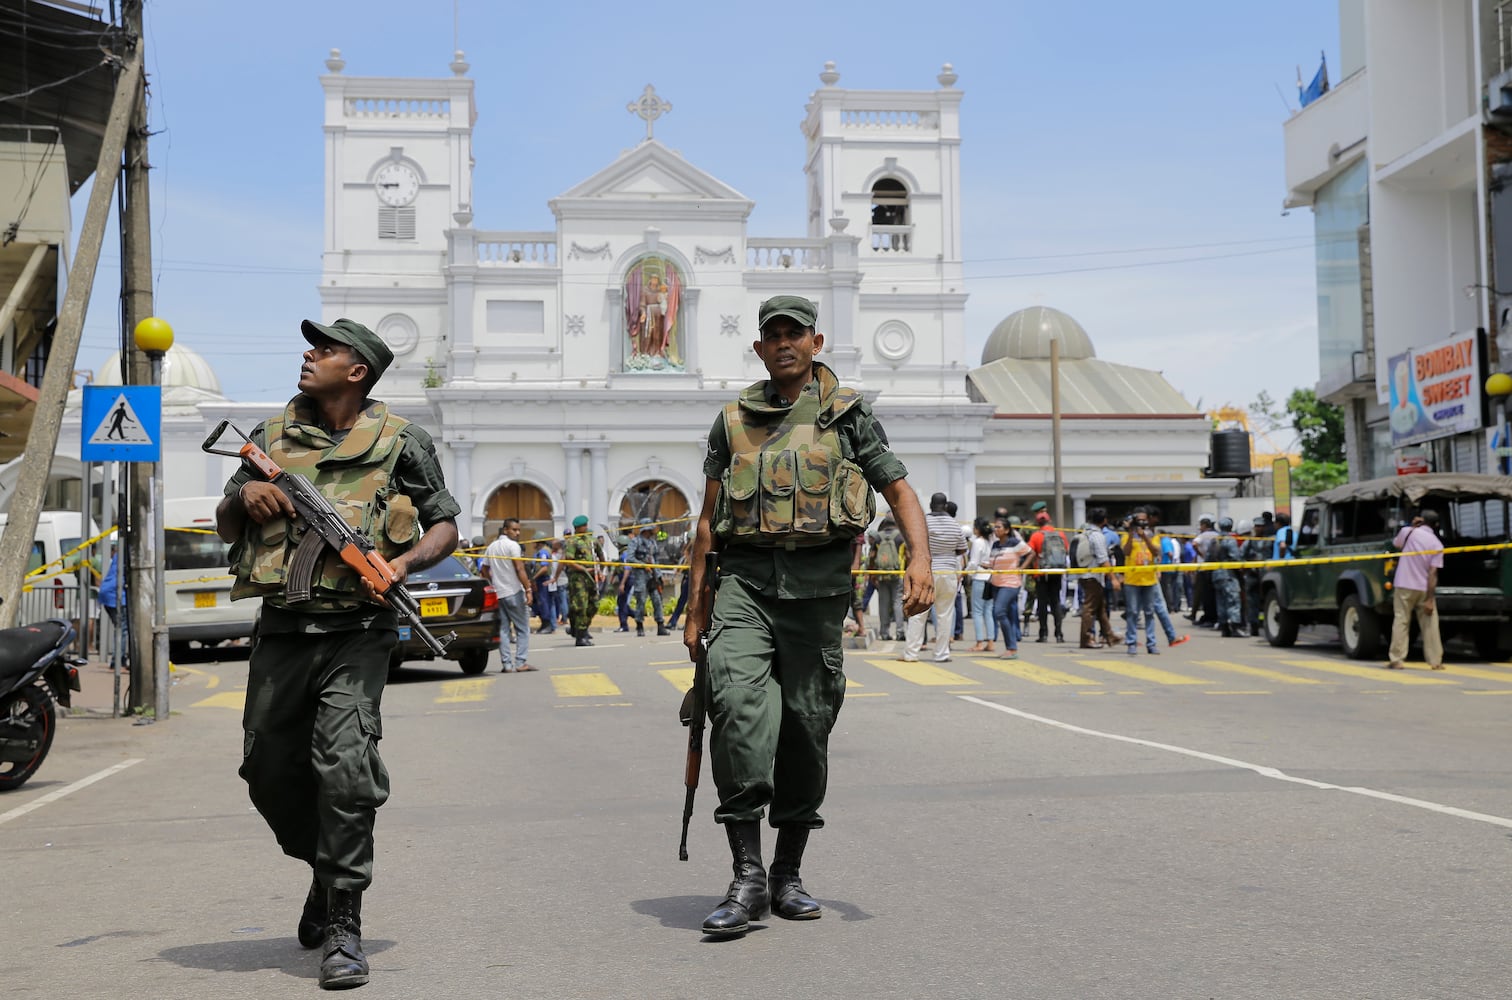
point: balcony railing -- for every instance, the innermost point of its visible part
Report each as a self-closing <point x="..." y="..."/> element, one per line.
<point x="795" y="255"/>
<point x="892" y="239"/>
<point x="517" y="249"/>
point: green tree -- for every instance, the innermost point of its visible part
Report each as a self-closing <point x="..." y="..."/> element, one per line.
<point x="1319" y="426"/>
<point x="1311" y="478"/>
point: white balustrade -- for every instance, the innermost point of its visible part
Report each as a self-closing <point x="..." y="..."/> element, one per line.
<point x="867" y="119"/>
<point x="792" y="255"/>
<point x="891" y="239"/>
<point x="397" y="107"/>
<point x="517" y="249"/>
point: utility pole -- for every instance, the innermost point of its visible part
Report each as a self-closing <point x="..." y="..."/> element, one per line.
<point x="42" y="442"/>
<point x="136" y="305"/>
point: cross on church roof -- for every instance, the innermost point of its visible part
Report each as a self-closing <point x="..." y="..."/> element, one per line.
<point x="649" y="107"/>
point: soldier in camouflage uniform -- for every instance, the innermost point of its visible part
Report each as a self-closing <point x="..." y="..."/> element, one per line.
<point x="790" y="471"/>
<point x="315" y="679"/>
<point x="582" y="580"/>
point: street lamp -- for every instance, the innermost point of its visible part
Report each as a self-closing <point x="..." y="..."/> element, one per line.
<point x="1499" y="387"/>
<point x="154" y="337"/>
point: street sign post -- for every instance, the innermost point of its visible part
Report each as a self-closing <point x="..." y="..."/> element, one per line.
<point x="122" y="423"/>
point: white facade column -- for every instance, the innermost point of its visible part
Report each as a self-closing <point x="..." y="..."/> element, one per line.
<point x="955" y="463"/>
<point x="573" y="452"/>
<point x="598" y="484"/>
<point x="462" y="488"/>
<point x="1078" y="511"/>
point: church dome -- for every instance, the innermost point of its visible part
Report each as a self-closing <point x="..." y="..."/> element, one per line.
<point x="182" y="366"/>
<point x="1026" y="336"/>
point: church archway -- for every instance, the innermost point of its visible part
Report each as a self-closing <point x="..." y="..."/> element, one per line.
<point x="518" y="499"/>
<point x="656" y="500"/>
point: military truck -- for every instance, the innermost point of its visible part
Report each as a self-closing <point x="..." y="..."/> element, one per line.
<point x="1474" y="594"/>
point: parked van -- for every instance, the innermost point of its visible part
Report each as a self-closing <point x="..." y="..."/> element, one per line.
<point x="1474" y="594"/>
<point x="54" y="594"/>
<point x="197" y="579"/>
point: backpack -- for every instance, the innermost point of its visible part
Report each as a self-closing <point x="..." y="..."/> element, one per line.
<point x="1083" y="555"/>
<point x="885" y="555"/>
<point x="1053" y="549"/>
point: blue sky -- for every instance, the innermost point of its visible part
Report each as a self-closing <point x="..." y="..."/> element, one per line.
<point x="1093" y="134"/>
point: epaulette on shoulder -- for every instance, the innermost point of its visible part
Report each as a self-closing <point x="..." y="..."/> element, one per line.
<point x="840" y="403"/>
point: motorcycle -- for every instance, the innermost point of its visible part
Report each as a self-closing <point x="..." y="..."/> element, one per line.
<point x="35" y="676"/>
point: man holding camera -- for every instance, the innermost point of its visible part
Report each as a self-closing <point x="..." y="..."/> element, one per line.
<point x="1413" y="588"/>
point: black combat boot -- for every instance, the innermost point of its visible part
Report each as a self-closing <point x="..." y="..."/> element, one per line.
<point x="1224" y="630"/>
<point x="748" y="898"/>
<point x="583" y="640"/>
<point x="662" y="629"/>
<point x="344" y="965"/>
<point x="640" y="629"/>
<point x="789" y="899"/>
<point x="312" y="922"/>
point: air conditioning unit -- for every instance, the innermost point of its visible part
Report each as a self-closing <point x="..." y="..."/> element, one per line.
<point x="1499" y="96"/>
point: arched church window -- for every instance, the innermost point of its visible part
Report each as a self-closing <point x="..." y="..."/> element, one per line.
<point x="891" y="225"/>
<point x="654" y="316"/>
<point x="521" y="500"/>
<point x="659" y="501"/>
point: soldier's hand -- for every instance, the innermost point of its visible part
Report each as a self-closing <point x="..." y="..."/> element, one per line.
<point x="692" y="628"/>
<point x="264" y="502"/>
<point x="401" y="571"/>
<point x="918" y="590"/>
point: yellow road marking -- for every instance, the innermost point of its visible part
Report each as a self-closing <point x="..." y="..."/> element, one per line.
<point x="1486" y="692"/>
<point x="212" y="681"/>
<point x="472" y="689"/>
<point x="585" y="686"/>
<point x="680" y="678"/>
<point x="868" y="694"/>
<point x="923" y="674"/>
<point x="667" y="663"/>
<point x="851" y="682"/>
<point x="1369" y="673"/>
<point x="1476" y="672"/>
<point x="1152" y="674"/>
<point x="1030" y="672"/>
<point x="1236" y="692"/>
<point x="1270" y="675"/>
<point x="226" y="699"/>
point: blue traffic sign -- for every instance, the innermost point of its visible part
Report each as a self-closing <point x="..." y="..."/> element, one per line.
<point x="122" y="423"/>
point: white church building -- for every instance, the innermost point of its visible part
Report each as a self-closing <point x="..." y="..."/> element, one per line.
<point x="578" y="370"/>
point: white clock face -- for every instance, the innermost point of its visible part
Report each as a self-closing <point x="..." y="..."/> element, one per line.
<point x="397" y="184"/>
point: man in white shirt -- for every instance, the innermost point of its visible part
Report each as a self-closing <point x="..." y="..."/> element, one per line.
<point x="504" y="569"/>
<point x="946" y="547"/>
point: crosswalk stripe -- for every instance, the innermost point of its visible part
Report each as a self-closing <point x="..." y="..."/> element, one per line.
<point x="226" y="699"/>
<point x="1270" y="675"/>
<point x="585" y="686"/>
<point x="923" y="674"/>
<point x="1456" y="671"/>
<point x="679" y="677"/>
<point x="1031" y="672"/>
<point x="1368" y="673"/>
<point x="472" y="689"/>
<point x="1152" y="674"/>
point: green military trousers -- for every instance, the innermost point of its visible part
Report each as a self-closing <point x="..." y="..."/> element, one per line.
<point x="582" y="602"/>
<point x="310" y="747"/>
<point x="776" y="684"/>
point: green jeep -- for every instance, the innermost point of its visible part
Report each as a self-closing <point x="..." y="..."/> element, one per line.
<point x="1355" y="594"/>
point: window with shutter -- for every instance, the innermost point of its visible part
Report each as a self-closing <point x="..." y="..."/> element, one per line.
<point x="396" y="223"/>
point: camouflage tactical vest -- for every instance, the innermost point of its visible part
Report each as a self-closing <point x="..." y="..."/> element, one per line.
<point x="356" y="476"/>
<point x="789" y="483"/>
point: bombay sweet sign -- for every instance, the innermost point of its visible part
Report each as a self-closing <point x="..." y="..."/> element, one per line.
<point x="1435" y="390"/>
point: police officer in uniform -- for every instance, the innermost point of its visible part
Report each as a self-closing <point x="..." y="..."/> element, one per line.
<point x="642" y="583"/>
<point x="1225" y="549"/>
<point x="790" y="470"/>
<point x="582" y="580"/>
<point x="316" y="675"/>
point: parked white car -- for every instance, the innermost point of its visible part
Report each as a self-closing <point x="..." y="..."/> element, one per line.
<point x="197" y="580"/>
<point x="55" y="593"/>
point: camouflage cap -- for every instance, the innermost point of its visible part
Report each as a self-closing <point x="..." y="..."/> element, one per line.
<point x="797" y="308"/>
<point x="368" y="345"/>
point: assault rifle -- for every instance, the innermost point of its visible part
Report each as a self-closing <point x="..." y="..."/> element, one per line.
<point x="695" y="707"/>
<point x="326" y="528"/>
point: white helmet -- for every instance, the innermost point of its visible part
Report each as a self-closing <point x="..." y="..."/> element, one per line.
<point x="1245" y="527"/>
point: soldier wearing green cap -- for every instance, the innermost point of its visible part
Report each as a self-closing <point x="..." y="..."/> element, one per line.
<point x="790" y="470"/>
<point x="316" y="675"/>
<point x="582" y="580"/>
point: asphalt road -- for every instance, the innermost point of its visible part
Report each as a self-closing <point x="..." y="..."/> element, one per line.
<point x="1246" y="822"/>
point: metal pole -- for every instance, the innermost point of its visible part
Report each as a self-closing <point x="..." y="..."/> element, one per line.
<point x="159" y="611"/>
<point x="86" y="565"/>
<point x="1055" y="430"/>
<point x="119" y="658"/>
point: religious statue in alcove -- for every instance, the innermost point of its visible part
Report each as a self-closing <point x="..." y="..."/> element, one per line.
<point x="653" y="294"/>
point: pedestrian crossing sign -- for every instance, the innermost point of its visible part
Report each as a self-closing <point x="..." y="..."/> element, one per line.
<point x="121" y="423"/>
